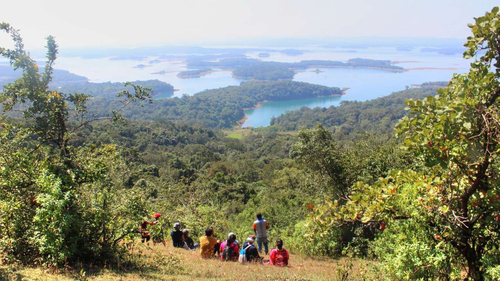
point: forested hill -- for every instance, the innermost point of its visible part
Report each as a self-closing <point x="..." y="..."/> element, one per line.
<point x="61" y="77"/>
<point x="375" y="116"/>
<point x="219" y="108"/>
<point x="67" y="82"/>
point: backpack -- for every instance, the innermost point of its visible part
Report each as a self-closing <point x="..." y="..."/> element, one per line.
<point x="227" y="253"/>
<point x="243" y="255"/>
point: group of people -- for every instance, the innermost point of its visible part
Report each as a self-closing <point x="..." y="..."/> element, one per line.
<point x="227" y="250"/>
<point x="180" y="239"/>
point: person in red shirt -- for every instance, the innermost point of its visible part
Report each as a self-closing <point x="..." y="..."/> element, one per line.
<point x="279" y="256"/>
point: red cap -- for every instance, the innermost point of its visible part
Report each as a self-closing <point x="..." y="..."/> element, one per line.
<point x="157" y="215"/>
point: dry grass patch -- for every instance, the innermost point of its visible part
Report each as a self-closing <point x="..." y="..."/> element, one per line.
<point x="168" y="263"/>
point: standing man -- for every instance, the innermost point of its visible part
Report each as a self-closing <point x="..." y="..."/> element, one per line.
<point x="260" y="227"/>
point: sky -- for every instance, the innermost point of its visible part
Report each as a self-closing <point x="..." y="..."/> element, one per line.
<point x="110" y="23"/>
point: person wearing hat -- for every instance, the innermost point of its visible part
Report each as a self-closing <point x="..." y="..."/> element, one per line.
<point x="177" y="236"/>
<point x="252" y="254"/>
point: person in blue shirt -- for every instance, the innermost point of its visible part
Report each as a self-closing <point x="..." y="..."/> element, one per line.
<point x="251" y="252"/>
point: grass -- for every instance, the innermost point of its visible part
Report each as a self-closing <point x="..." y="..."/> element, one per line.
<point x="168" y="263"/>
<point x="238" y="133"/>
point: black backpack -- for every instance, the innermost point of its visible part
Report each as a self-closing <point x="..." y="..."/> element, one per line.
<point x="228" y="252"/>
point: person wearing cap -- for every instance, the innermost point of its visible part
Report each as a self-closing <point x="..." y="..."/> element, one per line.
<point x="209" y="246"/>
<point x="260" y="227"/>
<point x="177" y="236"/>
<point x="279" y="256"/>
<point x="252" y="254"/>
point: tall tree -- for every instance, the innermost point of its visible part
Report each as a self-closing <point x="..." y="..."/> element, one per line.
<point x="455" y="194"/>
<point x="57" y="203"/>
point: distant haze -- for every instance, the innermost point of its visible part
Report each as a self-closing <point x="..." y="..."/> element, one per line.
<point x="228" y="22"/>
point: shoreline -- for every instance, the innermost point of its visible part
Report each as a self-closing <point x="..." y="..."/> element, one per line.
<point x="317" y="71"/>
<point x="432" y="68"/>
<point x="356" y="67"/>
<point x="242" y="121"/>
<point x="259" y="105"/>
<point x="163" y="72"/>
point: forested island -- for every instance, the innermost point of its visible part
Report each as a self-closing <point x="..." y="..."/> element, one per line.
<point x="273" y="71"/>
<point x="264" y="71"/>
<point x="194" y="73"/>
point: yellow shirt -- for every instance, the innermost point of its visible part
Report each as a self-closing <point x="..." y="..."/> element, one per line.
<point x="207" y="246"/>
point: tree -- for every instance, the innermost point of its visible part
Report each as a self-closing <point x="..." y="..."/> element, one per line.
<point x="454" y="196"/>
<point x="318" y="151"/>
<point x="58" y="203"/>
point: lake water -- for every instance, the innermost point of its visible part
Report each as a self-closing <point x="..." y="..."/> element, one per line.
<point x="363" y="84"/>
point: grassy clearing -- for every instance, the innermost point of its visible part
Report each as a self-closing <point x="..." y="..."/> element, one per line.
<point x="168" y="263"/>
<point x="238" y="133"/>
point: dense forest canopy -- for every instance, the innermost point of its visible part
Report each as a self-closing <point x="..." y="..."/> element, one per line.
<point x="110" y="90"/>
<point x="377" y="116"/>
<point x="218" y="108"/>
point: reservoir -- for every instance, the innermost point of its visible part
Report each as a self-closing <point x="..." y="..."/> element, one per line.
<point x="363" y="84"/>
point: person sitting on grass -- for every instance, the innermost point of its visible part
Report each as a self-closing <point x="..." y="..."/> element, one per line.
<point x="229" y="249"/>
<point x="189" y="241"/>
<point x="177" y="236"/>
<point x="279" y="256"/>
<point x="209" y="246"/>
<point x="251" y="252"/>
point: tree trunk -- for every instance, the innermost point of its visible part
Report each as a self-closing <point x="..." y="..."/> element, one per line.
<point x="475" y="273"/>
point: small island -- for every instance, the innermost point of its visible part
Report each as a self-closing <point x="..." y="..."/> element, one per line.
<point x="264" y="55"/>
<point x="141" y="66"/>
<point x="194" y="73"/>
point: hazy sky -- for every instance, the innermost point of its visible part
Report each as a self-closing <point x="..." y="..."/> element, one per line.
<point x="154" y="22"/>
